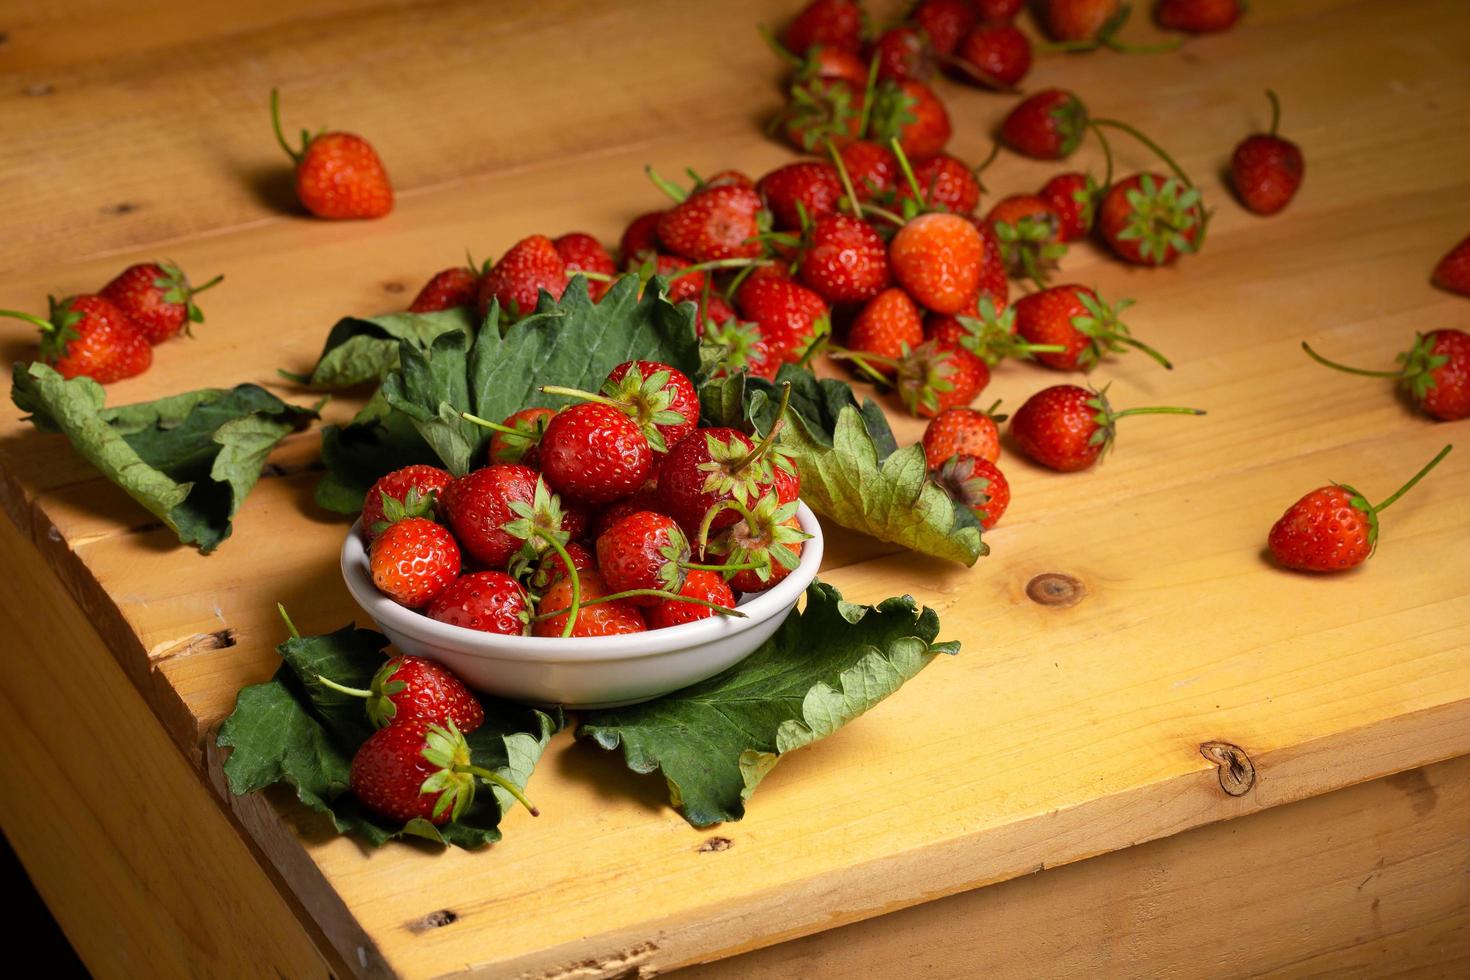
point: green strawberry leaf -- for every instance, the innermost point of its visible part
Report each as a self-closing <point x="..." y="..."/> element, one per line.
<point x="190" y="459"/>
<point x="716" y="741"/>
<point x="296" y="731"/>
<point x="377" y="441"/>
<point x="364" y="349"/>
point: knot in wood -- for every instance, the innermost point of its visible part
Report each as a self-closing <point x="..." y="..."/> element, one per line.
<point x="716" y="844"/>
<point x="1237" y="772"/>
<point x="1055" y="589"/>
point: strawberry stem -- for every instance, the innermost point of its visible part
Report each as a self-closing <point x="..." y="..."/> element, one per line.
<point x="1168" y="366"/>
<point x="355" y="692"/>
<point x="884" y="213"/>
<point x="290" y="626"/>
<point x="781" y="50"/>
<point x="1275" y="112"/>
<point x="1156" y="148"/>
<point x="674" y="191"/>
<point x="1107" y="149"/>
<point x="1348" y="370"/>
<point x="503" y="783"/>
<point x="1414" y="479"/>
<point x="860" y="361"/>
<point x="46" y="325"/>
<point x="766" y="443"/>
<point x="1155" y="410"/>
<point x="295" y="155"/>
<point x="736" y="263"/>
<point x="1162" y="47"/>
<point x="908" y="170"/>
<point x="846" y="178"/>
<point x="866" y="116"/>
<point x="196" y="290"/>
<point x="709" y="519"/>
<point x="691" y="566"/>
<point x="660" y="593"/>
<point x="812" y="350"/>
<point x="583" y="395"/>
<point x="494" y="426"/>
<point x="1065" y="47"/>
<point x="572" y="576"/>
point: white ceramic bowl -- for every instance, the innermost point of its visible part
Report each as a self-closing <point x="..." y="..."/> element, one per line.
<point x="587" y="672"/>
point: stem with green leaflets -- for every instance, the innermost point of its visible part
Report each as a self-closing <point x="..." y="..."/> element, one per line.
<point x="503" y="783"/>
<point x="1348" y="370"/>
<point x="1413" y="480"/>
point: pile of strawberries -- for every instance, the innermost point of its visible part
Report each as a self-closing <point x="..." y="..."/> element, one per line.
<point x="616" y="514"/>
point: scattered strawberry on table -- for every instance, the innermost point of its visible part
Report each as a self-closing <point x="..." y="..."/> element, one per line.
<point x="1265" y="169"/>
<point x="1435" y="373"/>
<point x="338" y="175"/>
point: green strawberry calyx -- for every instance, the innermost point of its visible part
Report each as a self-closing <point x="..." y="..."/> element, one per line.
<point x="1106" y="332"/>
<point x="1070" y="118"/>
<point x="761" y="537"/>
<point x="957" y="477"/>
<point x="454" y="778"/>
<point x="1106" y="419"/>
<point x="1371" y="511"/>
<point x="174" y="285"/>
<point x="58" y="331"/>
<point x="991" y="336"/>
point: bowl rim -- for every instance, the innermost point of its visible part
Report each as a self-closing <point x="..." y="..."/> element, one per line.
<point x="758" y="607"/>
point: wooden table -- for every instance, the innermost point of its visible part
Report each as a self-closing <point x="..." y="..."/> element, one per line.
<point x="1059" y="799"/>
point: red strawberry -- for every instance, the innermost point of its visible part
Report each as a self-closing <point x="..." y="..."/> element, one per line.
<point x="659" y="398"/>
<point x="1333" y="528"/>
<point x="936" y="375"/>
<point x="1083" y="20"/>
<point x="1075" y="318"/>
<point x="717" y="223"/>
<point x="911" y="113"/>
<point x="603" y="619"/>
<point x="521" y="443"/>
<point x="480" y="504"/>
<point x="1198" y="16"/>
<point x="1046" y="126"/>
<point x="1266" y="169"/>
<point x="640" y="238"/>
<point x="685" y="284"/>
<point x="872" y="168"/>
<point x="844" y="260"/>
<point x="1029" y="234"/>
<point x="888" y="326"/>
<point x="1073" y="198"/>
<point x="708" y="470"/>
<point x="1150" y="220"/>
<point x="766" y="535"/>
<point x="990" y="334"/>
<point x="828" y="62"/>
<point x="996" y="55"/>
<point x="413" y="561"/>
<point x="88" y="336"/>
<point x="994" y="284"/>
<point x="992" y="10"/>
<point x="789" y="316"/>
<point x="413" y="690"/>
<point x="903" y="53"/>
<point x="947" y="183"/>
<point x="592" y="454"/>
<point x="1435" y="373"/>
<point x="580" y="252"/>
<point x="707" y="587"/>
<point x="957" y="431"/>
<point x="157" y="297"/>
<point x="835" y="23"/>
<point x="491" y="602"/>
<point x="1453" y="271"/>
<point x="552" y="569"/>
<point x="787" y="479"/>
<point x="937" y="258"/>
<point x="978" y="484"/>
<point x="517" y="280"/>
<point x="338" y="175"/>
<point x="407" y="771"/>
<point x="643" y="551"/>
<point x="945" y="22"/>
<point x="1068" y="428"/>
<point x="425" y="482"/>
<point x="448" y="289"/>
<point x="808" y="187"/>
<point x="820" y="110"/>
<point x="743" y="347"/>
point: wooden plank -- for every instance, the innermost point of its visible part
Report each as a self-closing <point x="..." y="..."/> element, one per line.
<point x="126" y="844"/>
<point x="1368" y="881"/>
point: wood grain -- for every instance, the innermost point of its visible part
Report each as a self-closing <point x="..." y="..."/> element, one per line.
<point x="1059" y="733"/>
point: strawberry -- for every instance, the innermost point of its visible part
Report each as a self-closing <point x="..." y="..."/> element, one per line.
<point x="977" y="483"/>
<point x="789" y="317"/>
<point x="902" y="54"/>
<point x="821" y="110"/>
<point x="593" y="454"/>
<point x="338" y="175"/>
<point x="407" y="772"/>
<point x="957" y="431"/>
<point x="712" y="470"/>
<point x="601" y="619"/>
<point x="413" y="561"/>
<point x="938" y="375"/>
<point x="829" y="62"/>
<point x="990" y="334"/>
<point x="888" y="326"/>
<point x="872" y="168"/>
<point x="1077" y="319"/>
<point x="1029" y="234"/>
<point x="520" y="443"/>
<point x="448" y="289"/>
<point x="413" y="690"/>
<point x="742" y="346"/>
<point x="946" y="183"/>
<point x="580" y="252"/>
<point x="1151" y="220"/>
<point x="707" y="587"/>
<point x="937" y="258"/>
<point x="911" y="113"/>
<point x="1198" y="16"/>
<point x="86" y="336"/>
<point x="640" y="238"/>
<point x="1073" y="198"/>
<point x="944" y="22"/>
<point x="799" y="193"/>
<point x="1045" y="126"/>
<point x="157" y="297"/>
<point x="645" y="551"/>
<point x="767" y="536"/>
<point x="1068" y="428"/>
<point x="491" y="602"/>
<point x="995" y="55"/>
<point x="1083" y="20"/>
<point x="1453" y="271"/>
<point x="844" y="260"/>
<point x="993" y="10"/>
<point x="553" y="568"/>
<point x="424" y="482"/>
<point x="686" y="284"/>
<point x="994" y="283"/>
<point x="1266" y="169"/>
<point x="834" y="23"/>
<point x="480" y="504"/>
<point x="517" y="280"/>
<point x="716" y="223"/>
<point x="1333" y="528"/>
<point x="787" y="480"/>
<point x="659" y="398"/>
<point x="1435" y="373"/>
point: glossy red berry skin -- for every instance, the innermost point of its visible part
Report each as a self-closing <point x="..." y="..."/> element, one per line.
<point x="388" y="773"/>
<point x="100" y="342"/>
<point x="593" y="454"/>
<point x="604" y="619"/>
<point x="640" y="239"/>
<point x="846" y="260"/>
<point x="812" y="184"/>
<point x="961" y="430"/>
<point x="516" y="281"/>
<point x="699" y="584"/>
<point x="1321" y="532"/>
<point x="447" y="290"/>
<point x="1448" y="399"/>
<point x="489" y="602"/>
<point x="683" y="399"/>
<point x="643" y="551"/>
<point x="413" y="561"/>
<point x="430" y="695"/>
<point x="341" y="177"/>
<point x="682" y="482"/>
<point x="425" y="479"/>
<point x="1266" y="172"/>
<point x="477" y="507"/>
<point x="1055" y="428"/>
<point x="997" y="54"/>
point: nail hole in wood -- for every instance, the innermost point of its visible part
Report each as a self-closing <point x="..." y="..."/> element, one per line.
<point x="714" y="844"/>
<point x="37" y="90"/>
<point x="1237" y="772"/>
<point x="435" y="920"/>
<point x="121" y="207"/>
<point x="394" y="287"/>
<point x="1055" y="589"/>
